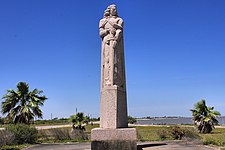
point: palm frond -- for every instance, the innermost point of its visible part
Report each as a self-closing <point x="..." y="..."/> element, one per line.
<point x="22" y="105"/>
<point x="204" y="116"/>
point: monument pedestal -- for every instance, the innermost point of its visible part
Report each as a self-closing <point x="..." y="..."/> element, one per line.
<point x="113" y="108"/>
<point x="114" y="139"/>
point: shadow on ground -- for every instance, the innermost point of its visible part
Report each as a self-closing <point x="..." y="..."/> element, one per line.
<point x="141" y="146"/>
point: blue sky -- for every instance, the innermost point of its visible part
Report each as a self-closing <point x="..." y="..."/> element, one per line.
<point x="174" y="53"/>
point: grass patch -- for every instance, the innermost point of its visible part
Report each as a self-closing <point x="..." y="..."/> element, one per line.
<point x="90" y="127"/>
<point x="159" y="133"/>
<point x="152" y="133"/>
<point x="217" y="137"/>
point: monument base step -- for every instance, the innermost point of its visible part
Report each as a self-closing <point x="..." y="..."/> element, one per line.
<point x="114" y="139"/>
<point x="113" y="145"/>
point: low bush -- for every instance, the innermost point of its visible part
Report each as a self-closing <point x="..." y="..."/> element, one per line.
<point x="177" y="133"/>
<point x="6" y="138"/>
<point x="23" y="133"/>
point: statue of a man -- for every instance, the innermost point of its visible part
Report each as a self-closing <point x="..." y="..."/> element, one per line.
<point x="111" y="32"/>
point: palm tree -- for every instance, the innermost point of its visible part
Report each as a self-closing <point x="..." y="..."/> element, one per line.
<point x="86" y="120"/>
<point x="204" y="117"/>
<point x="22" y="105"/>
<point x="79" y="119"/>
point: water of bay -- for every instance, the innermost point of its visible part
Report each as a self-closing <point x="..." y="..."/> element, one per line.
<point x="175" y="120"/>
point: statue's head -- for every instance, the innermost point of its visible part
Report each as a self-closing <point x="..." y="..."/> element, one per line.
<point x="106" y="13"/>
<point x="113" y="10"/>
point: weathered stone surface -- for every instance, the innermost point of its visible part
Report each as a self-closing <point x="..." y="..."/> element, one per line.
<point x="113" y="108"/>
<point x="120" y="134"/>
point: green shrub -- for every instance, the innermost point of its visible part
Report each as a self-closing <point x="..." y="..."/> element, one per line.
<point x="23" y="133"/>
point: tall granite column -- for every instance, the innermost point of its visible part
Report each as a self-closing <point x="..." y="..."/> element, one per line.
<point x="113" y="131"/>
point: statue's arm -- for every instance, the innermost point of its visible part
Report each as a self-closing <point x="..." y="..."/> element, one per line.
<point x="119" y="29"/>
<point x="102" y="31"/>
<point x="119" y="25"/>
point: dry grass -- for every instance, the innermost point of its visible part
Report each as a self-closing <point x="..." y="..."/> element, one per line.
<point x="65" y="134"/>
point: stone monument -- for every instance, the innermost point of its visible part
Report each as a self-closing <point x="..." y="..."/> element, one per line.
<point x="113" y="132"/>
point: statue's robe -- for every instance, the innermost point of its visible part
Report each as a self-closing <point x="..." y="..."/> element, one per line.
<point x="113" y="65"/>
